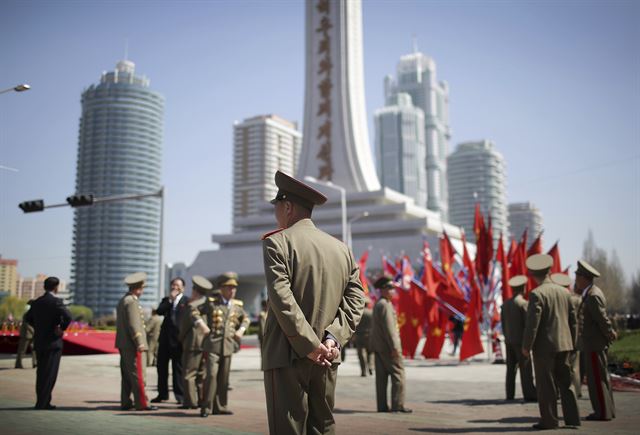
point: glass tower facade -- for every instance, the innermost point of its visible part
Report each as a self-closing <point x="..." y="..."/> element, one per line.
<point x="400" y="148"/>
<point x="416" y="76"/>
<point x="477" y="172"/>
<point x="119" y="153"/>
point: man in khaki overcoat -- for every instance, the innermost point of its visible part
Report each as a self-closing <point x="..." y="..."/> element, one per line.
<point x="191" y="337"/>
<point x="513" y="316"/>
<point x="385" y="344"/>
<point x="131" y="341"/>
<point x="550" y="332"/>
<point x="596" y="335"/>
<point x="315" y="303"/>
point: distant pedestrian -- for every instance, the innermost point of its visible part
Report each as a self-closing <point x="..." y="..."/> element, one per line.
<point x="362" y="339"/>
<point x="49" y="318"/>
<point x="458" y="329"/>
<point x="26" y="341"/>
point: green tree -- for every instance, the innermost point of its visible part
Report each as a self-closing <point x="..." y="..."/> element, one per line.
<point x="611" y="281"/>
<point x="12" y="305"/>
<point x="81" y="313"/>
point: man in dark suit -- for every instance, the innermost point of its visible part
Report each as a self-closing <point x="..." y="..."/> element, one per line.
<point x="49" y="318"/>
<point x="172" y="307"/>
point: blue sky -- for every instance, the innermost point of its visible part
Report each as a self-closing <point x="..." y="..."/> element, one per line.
<point x="555" y="85"/>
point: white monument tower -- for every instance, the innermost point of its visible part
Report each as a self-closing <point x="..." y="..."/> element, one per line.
<point x="335" y="149"/>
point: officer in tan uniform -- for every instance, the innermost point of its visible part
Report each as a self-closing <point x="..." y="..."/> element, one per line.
<point x="224" y="322"/>
<point x="25" y="341"/>
<point x="564" y="280"/>
<point x="131" y="341"/>
<point x="550" y="332"/>
<point x="315" y="303"/>
<point x="513" y="316"/>
<point x="385" y="343"/>
<point x="191" y="338"/>
<point x="362" y="339"/>
<point x="596" y="335"/>
<point x="153" y="334"/>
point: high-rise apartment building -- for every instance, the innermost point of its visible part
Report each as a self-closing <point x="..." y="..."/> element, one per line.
<point x="8" y="275"/>
<point x="416" y="76"/>
<point x="261" y="146"/>
<point x="477" y="174"/>
<point x="119" y="153"/>
<point x="525" y="215"/>
<point x="400" y="147"/>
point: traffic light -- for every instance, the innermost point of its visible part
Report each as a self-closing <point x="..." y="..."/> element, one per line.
<point x="31" y="206"/>
<point x="80" y="200"/>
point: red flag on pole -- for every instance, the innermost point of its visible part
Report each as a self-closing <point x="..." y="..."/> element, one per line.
<point x="363" y="273"/>
<point x="471" y="341"/>
<point x="436" y="335"/>
<point x="502" y="259"/>
<point x="408" y="316"/>
<point x="555" y="253"/>
<point x="536" y="247"/>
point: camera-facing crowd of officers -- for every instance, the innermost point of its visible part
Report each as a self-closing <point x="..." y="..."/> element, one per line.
<point x="558" y="331"/>
<point x="198" y="336"/>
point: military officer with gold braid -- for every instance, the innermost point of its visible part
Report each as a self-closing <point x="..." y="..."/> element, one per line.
<point x="131" y="341"/>
<point x="224" y="321"/>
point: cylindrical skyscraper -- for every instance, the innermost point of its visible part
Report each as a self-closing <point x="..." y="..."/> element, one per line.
<point x="119" y="153"/>
<point x="477" y="173"/>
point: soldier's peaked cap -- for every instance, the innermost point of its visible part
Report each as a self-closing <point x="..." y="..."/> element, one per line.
<point x="561" y="279"/>
<point x="539" y="262"/>
<point x="585" y="269"/>
<point x="384" y="282"/>
<point x="135" y="278"/>
<point x="296" y="191"/>
<point x="518" y="281"/>
<point x="202" y="283"/>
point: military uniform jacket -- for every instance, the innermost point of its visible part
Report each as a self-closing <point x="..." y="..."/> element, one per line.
<point x="130" y="326"/>
<point x="189" y="334"/>
<point x="153" y="327"/>
<point x="223" y="320"/>
<point x="514" y="315"/>
<point x="551" y="324"/>
<point x="595" y="326"/>
<point x="313" y="290"/>
<point x="385" y="336"/>
<point x="363" y="331"/>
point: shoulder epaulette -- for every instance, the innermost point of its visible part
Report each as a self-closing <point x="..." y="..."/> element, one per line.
<point x="238" y="302"/>
<point x="271" y="233"/>
<point x="210" y="299"/>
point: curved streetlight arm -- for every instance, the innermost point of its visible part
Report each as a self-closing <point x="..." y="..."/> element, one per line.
<point x="20" y="88"/>
<point x="362" y="215"/>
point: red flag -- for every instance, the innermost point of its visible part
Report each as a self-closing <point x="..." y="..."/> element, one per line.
<point x="471" y="342"/>
<point x="388" y="268"/>
<point x="449" y="292"/>
<point x="436" y="335"/>
<point x="536" y="247"/>
<point x="512" y="250"/>
<point x="363" y="273"/>
<point x="408" y="317"/>
<point x="501" y="258"/>
<point x="555" y="253"/>
<point x="476" y="297"/>
<point x="478" y="222"/>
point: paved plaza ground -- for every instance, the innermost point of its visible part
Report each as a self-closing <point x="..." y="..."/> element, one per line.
<point x="446" y="397"/>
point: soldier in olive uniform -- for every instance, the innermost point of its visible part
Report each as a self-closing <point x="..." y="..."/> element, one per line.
<point x="550" y="332"/>
<point x="26" y="341"/>
<point x="224" y="322"/>
<point x="385" y="343"/>
<point x="363" y="332"/>
<point x="596" y="334"/>
<point x="564" y="280"/>
<point x="315" y="303"/>
<point x="131" y="341"/>
<point x="513" y="315"/>
<point x="191" y="338"/>
<point x="153" y="334"/>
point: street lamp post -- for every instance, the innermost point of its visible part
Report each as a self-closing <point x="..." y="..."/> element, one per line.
<point x="20" y="88"/>
<point x="364" y="214"/>
<point x="343" y="201"/>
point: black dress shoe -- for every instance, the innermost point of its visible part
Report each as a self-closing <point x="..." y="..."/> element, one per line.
<point x="370" y="371"/>
<point x="403" y="410"/>
<point x="383" y="410"/>
<point x="158" y="399"/>
<point x="126" y="408"/>
<point x="538" y="426"/>
<point x="594" y="417"/>
<point x="204" y="413"/>
<point x="148" y="408"/>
